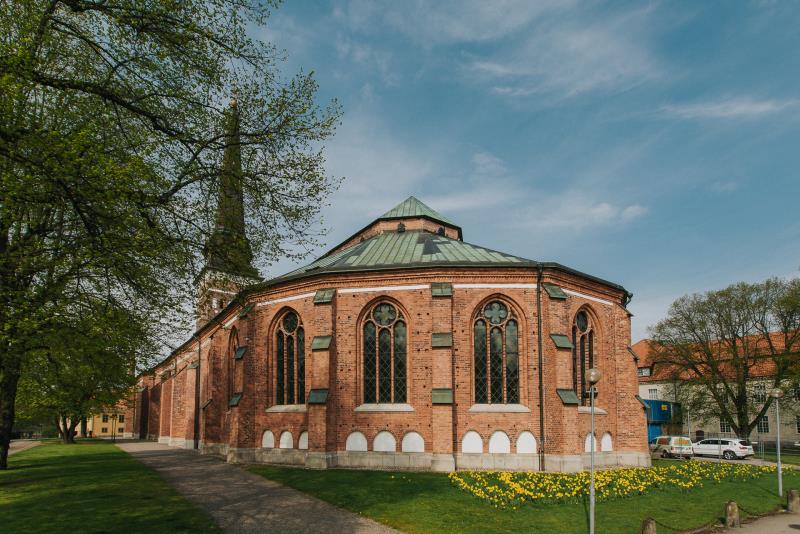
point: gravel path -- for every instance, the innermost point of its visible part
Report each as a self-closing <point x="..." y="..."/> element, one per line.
<point x="19" y="445"/>
<point x="244" y="502"/>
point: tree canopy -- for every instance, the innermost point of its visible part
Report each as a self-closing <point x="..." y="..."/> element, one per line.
<point x="717" y="346"/>
<point x="111" y="139"/>
<point x="84" y="365"/>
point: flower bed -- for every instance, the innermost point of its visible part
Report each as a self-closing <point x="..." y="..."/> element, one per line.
<point x="510" y="490"/>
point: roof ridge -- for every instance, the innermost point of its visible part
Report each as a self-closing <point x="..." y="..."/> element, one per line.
<point x="414" y="207"/>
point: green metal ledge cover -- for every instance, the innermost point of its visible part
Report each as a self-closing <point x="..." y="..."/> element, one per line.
<point x="321" y="343"/>
<point x="554" y="291"/>
<point x="442" y="340"/>
<point x="442" y="396"/>
<point x="318" y="396"/>
<point x="240" y="351"/>
<point x="323" y="296"/>
<point x="194" y="365"/>
<point x="441" y="289"/>
<point x="561" y="341"/>
<point x="235" y="399"/>
<point x="643" y="403"/>
<point x="568" y="397"/>
<point x="246" y="310"/>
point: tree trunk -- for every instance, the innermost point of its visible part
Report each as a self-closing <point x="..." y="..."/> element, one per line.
<point x="83" y="427"/>
<point x="9" y="378"/>
<point x="72" y="426"/>
<point x="67" y="434"/>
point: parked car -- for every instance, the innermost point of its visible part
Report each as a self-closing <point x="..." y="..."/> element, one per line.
<point x="671" y="447"/>
<point x="728" y="448"/>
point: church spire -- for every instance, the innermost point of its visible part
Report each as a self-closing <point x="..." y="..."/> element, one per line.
<point x="227" y="249"/>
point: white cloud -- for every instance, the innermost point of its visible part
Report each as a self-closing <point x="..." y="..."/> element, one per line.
<point x="573" y="211"/>
<point x="448" y="22"/>
<point x="553" y="46"/>
<point x="730" y="108"/>
<point x="381" y="61"/>
<point x="634" y="211"/>
<point x="569" y="56"/>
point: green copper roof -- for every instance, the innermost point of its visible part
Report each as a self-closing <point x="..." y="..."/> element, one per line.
<point x="413" y="207"/>
<point x="407" y="249"/>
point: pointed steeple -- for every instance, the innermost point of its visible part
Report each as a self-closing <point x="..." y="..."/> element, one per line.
<point x="227" y="249"/>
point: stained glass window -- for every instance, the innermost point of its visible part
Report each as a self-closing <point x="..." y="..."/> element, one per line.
<point x="385" y="353"/>
<point x="496" y="355"/>
<point x="290" y="361"/>
<point x="582" y="354"/>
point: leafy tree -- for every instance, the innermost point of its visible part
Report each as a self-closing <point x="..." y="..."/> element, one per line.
<point x="715" y="346"/>
<point x="111" y="139"/>
<point x="84" y="365"/>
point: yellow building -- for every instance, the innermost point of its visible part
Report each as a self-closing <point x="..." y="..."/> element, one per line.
<point x="108" y="425"/>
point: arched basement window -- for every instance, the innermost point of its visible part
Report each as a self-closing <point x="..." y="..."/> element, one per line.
<point x="290" y="368"/>
<point x="582" y="354"/>
<point x="496" y="338"/>
<point x="385" y="341"/>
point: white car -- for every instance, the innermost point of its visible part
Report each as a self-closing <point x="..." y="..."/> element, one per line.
<point x="728" y="448"/>
<point x="671" y="447"/>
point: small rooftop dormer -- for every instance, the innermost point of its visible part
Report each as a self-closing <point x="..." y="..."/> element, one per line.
<point x="410" y="215"/>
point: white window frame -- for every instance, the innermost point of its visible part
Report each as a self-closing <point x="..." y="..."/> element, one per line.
<point x="723" y="425"/>
<point x="763" y="425"/>
<point x="652" y="393"/>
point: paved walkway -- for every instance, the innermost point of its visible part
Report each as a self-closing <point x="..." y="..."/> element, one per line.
<point x="243" y="502"/>
<point x="18" y="445"/>
<point x="775" y="524"/>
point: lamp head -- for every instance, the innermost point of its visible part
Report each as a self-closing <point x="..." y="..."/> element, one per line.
<point x="776" y="393"/>
<point x="594" y="376"/>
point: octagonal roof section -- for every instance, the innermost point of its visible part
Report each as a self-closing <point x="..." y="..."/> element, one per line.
<point x="411" y="208"/>
<point x="412" y="248"/>
<point x="411" y="214"/>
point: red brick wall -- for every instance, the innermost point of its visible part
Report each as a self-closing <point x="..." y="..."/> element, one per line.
<point x="442" y="427"/>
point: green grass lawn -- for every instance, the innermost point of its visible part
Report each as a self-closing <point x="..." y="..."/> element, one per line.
<point x="786" y="457"/>
<point x="428" y="502"/>
<point x="91" y="486"/>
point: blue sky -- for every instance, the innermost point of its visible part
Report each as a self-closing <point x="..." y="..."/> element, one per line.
<point x="651" y="144"/>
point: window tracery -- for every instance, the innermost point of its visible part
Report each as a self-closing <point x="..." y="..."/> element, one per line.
<point x="496" y="354"/>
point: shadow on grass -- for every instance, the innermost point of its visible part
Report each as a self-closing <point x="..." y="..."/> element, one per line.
<point x="52" y="486"/>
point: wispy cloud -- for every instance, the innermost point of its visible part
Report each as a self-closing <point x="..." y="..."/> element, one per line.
<point x="447" y="21"/>
<point x="572" y="211"/>
<point x="730" y="108"/>
<point x="368" y="56"/>
<point x="572" y="55"/>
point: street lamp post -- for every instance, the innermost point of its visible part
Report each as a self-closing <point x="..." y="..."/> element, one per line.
<point x="594" y="378"/>
<point x="776" y="394"/>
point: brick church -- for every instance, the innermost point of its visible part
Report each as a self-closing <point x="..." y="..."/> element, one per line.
<point x="403" y="347"/>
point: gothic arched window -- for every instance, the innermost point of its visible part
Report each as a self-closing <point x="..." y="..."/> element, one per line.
<point x="230" y="364"/>
<point x="496" y="337"/>
<point x="290" y="365"/>
<point x="385" y="339"/>
<point x="582" y="354"/>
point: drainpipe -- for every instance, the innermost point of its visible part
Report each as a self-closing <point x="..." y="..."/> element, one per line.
<point x="541" y="371"/>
